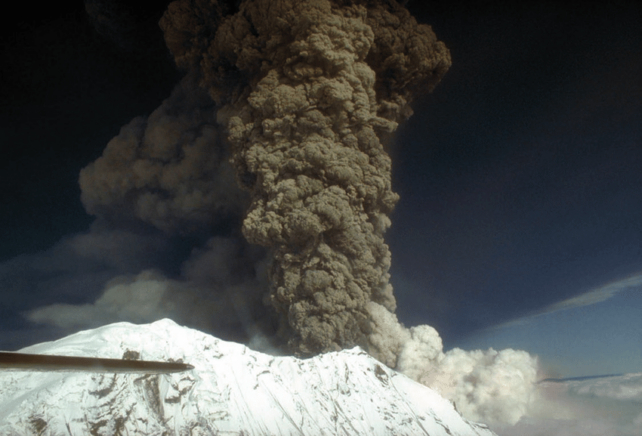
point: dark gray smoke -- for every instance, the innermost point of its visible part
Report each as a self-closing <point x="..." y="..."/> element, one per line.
<point x="307" y="90"/>
<point x="169" y="170"/>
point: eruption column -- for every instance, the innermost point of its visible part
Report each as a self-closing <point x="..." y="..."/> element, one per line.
<point x="307" y="91"/>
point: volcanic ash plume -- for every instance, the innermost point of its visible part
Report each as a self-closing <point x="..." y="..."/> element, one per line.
<point x="307" y="91"/>
<point x="168" y="170"/>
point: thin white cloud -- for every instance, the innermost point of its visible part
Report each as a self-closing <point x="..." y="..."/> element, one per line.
<point x="598" y="295"/>
<point x="589" y="298"/>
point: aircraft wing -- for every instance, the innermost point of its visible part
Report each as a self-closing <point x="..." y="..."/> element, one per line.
<point x="44" y="362"/>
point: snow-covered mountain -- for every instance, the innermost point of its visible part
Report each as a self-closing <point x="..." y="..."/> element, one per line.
<point x="231" y="391"/>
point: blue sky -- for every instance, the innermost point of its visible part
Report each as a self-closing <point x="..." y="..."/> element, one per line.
<point x="520" y="186"/>
<point x="598" y="332"/>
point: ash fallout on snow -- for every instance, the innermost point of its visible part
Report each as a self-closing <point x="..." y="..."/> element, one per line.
<point x="281" y="123"/>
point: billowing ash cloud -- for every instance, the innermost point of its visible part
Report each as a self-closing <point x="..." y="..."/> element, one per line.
<point x="307" y="90"/>
<point x="301" y="96"/>
<point x="169" y="170"/>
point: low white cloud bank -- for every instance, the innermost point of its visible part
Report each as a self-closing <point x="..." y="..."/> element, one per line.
<point x="627" y="387"/>
<point x="591" y="407"/>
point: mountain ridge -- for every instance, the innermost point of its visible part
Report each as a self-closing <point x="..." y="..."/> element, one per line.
<point x="232" y="390"/>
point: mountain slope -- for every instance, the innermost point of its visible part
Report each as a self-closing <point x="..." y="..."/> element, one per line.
<point x="232" y="391"/>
